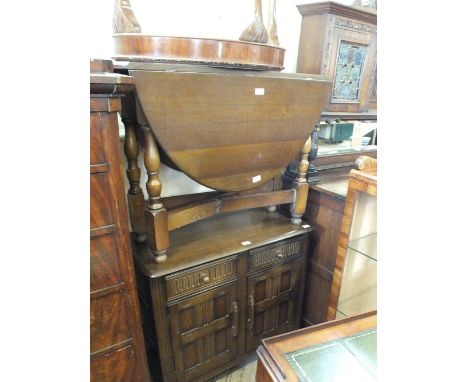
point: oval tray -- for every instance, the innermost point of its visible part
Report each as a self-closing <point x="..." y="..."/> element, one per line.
<point x="213" y="52"/>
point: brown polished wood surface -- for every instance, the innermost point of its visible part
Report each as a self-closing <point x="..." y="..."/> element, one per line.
<point x="116" y="343"/>
<point x="216" y="237"/>
<point x="233" y="139"/>
<point x="272" y="366"/>
<point x="212" y="52"/>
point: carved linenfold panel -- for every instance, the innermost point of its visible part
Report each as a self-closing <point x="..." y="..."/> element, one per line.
<point x="182" y="283"/>
<point x="201" y="329"/>
<point x="274" y="254"/>
<point x="272" y="302"/>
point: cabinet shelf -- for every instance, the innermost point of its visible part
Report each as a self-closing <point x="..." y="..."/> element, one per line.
<point x="354" y="286"/>
<point x="366" y="246"/>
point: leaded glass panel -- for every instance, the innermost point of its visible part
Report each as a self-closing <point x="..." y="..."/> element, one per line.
<point x="349" y="69"/>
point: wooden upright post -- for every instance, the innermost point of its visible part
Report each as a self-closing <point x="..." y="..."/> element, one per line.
<point x="135" y="197"/>
<point x="300" y="184"/>
<point x="156" y="214"/>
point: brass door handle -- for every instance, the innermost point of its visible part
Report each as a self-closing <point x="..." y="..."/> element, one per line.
<point x="235" y="319"/>
<point x="251" y="308"/>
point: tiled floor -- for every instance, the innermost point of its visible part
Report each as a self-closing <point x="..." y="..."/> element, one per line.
<point x="245" y="372"/>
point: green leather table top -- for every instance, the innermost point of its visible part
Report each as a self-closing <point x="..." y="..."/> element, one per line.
<point x="352" y="358"/>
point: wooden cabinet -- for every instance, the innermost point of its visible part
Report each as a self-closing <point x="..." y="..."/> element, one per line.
<point x="325" y="206"/>
<point x="272" y="301"/>
<point x="341" y="42"/>
<point x="205" y="330"/>
<point x="117" y="350"/>
<point x="247" y="284"/>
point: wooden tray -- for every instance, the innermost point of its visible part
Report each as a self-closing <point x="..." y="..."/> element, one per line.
<point x="212" y="52"/>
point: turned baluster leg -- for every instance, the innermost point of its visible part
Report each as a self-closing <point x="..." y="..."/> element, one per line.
<point x="312" y="173"/>
<point x="135" y="197"/>
<point x="156" y="214"/>
<point x="298" y="207"/>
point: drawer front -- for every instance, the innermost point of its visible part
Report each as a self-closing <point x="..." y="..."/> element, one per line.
<point x="275" y="254"/>
<point x="105" y="267"/>
<point x="109" y="321"/>
<point x="198" y="278"/>
<point x="118" y="366"/>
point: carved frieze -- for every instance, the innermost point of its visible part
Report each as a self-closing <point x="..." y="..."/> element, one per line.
<point x="344" y="23"/>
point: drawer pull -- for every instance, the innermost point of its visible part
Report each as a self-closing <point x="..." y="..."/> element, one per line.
<point x="235" y="319"/>
<point x="205" y="278"/>
<point x="279" y="255"/>
<point x="251" y="307"/>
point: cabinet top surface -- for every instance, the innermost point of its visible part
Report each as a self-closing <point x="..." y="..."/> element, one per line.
<point x="218" y="237"/>
<point x="335" y="186"/>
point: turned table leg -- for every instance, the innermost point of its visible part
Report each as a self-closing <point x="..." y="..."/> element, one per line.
<point x="135" y="197"/>
<point x="301" y="186"/>
<point x="156" y="214"/>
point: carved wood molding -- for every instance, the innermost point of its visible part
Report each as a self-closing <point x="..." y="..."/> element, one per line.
<point x="369" y="15"/>
<point x="350" y="24"/>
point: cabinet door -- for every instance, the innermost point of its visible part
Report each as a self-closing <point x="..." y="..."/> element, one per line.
<point x="205" y="331"/>
<point x="272" y="302"/>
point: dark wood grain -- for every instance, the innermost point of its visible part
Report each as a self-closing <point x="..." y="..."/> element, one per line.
<point x="117" y="348"/>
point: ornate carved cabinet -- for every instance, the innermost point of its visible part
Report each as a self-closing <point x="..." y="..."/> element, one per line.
<point x="117" y="350"/>
<point x="341" y="42"/>
<point x="229" y="282"/>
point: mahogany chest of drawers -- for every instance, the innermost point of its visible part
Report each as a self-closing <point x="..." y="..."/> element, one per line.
<point x="117" y="350"/>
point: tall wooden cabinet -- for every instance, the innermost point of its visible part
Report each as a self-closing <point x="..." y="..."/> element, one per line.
<point x="341" y="42"/>
<point x="117" y="350"/>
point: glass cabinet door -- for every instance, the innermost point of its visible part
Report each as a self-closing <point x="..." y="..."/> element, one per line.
<point x="359" y="283"/>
